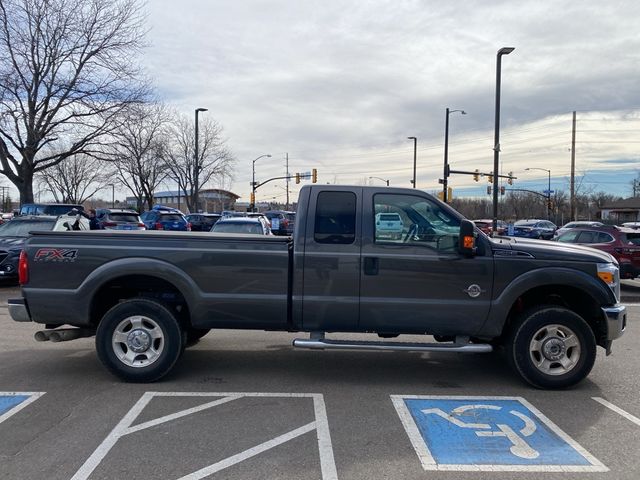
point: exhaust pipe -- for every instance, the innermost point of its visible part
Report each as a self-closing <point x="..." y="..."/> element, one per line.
<point x="42" y="335"/>
<point x="62" y="334"/>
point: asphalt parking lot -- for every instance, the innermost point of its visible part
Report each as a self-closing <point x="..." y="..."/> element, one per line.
<point x="247" y="405"/>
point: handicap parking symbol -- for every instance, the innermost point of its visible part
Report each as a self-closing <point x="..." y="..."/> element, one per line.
<point x="12" y="402"/>
<point x="488" y="434"/>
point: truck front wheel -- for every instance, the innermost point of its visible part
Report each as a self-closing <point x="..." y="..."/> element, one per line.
<point x="139" y="340"/>
<point x="551" y="347"/>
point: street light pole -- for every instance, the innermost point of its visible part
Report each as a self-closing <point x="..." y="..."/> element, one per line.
<point x="197" y="163"/>
<point x="548" y="188"/>
<point x="445" y="175"/>
<point x="253" y="180"/>
<point x="387" y="181"/>
<point x="415" y="148"/>
<point x="496" y="143"/>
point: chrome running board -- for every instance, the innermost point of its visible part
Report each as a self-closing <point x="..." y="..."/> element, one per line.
<point x="317" y="341"/>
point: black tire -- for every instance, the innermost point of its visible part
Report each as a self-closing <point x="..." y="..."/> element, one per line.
<point x="551" y="347"/>
<point x="139" y="340"/>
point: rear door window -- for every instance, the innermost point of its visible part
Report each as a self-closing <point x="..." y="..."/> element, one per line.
<point x="335" y="220"/>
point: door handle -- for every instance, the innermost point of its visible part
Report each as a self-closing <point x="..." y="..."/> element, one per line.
<point x="371" y="265"/>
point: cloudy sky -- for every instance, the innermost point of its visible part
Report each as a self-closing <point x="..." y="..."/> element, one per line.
<point x="340" y="85"/>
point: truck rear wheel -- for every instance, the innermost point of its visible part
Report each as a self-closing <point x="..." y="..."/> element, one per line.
<point x="139" y="340"/>
<point x="551" y="347"/>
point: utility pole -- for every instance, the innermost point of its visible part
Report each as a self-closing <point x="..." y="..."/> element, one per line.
<point x="572" y="217"/>
<point x="287" y="180"/>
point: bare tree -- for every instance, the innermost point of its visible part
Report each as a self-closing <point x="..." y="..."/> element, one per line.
<point x="214" y="160"/>
<point x="75" y="180"/>
<point x="67" y="68"/>
<point x="137" y="151"/>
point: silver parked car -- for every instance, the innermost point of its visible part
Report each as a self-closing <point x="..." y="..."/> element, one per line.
<point x="244" y="225"/>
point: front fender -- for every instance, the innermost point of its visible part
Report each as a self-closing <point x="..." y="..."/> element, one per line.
<point x="543" y="277"/>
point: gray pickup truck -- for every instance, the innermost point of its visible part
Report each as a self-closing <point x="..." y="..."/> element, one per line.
<point x="148" y="295"/>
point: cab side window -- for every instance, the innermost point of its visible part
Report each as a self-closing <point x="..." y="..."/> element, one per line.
<point x="335" y="219"/>
<point x="414" y="221"/>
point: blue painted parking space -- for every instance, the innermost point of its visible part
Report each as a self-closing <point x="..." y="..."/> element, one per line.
<point x="12" y="402"/>
<point x="488" y="433"/>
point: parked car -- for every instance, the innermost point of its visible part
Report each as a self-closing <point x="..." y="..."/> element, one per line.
<point x="282" y="221"/>
<point x="233" y="213"/>
<point x="389" y="225"/>
<point x="119" y="219"/>
<point x="48" y="208"/>
<point x="634" y="225"/>
<point x="202" y="222"/>
<point x="576" y="224"/>
<point x="165" y="218"/>
<point x="14" y="234"/>
<point x="542" y="229"/>
<point x="623" y="243"/>
<point x="486" y="226"/>
<point x="255" y="226"/>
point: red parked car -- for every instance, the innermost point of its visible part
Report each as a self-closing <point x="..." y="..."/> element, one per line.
<point x="623" y="243"/>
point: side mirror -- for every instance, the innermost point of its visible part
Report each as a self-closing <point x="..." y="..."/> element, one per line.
<point x="467" y="238"/>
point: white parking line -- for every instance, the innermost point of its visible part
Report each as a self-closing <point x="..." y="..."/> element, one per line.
<point x="33" y="396"/>
<point x="321" y="425"/>
<point x="618" y="410"/>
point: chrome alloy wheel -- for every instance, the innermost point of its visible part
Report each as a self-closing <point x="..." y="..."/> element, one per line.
<point x="138" y="341"/>
<point x="555" y="350"/>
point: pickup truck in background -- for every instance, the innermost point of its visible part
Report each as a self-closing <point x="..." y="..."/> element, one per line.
<point x="147" y="295"/>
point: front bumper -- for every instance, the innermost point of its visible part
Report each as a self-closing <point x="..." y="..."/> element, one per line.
<point x="616" y="317"/>
<point x="18" y="310"/>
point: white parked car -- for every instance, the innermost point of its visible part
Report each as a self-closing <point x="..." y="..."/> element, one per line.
<point x="576" y="224"/>
<point x="389" y="225"/>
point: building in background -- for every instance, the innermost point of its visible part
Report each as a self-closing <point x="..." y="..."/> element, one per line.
<point x="627" y="210"/>
<point x="210" y="200"/>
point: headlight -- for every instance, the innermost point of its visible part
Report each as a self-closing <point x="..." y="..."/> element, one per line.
<point x="609" y="273"/>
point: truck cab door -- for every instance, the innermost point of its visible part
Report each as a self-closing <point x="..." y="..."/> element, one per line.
<point x="418" y="282"/>
<point x="331" y="260"/>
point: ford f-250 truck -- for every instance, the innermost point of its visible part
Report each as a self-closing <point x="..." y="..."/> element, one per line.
<point x="145" y="295"/>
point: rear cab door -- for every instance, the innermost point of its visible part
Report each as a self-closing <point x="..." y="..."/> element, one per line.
<point x="329" y="259"/>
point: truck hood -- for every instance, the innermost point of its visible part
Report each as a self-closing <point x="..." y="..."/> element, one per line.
<point x="12" y="243"/>
<point x="549" y="250"/>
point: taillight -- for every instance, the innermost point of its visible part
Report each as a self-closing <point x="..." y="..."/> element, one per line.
<point x="141" y="224"/>
<point x="23" y="268"/>
<point x="159" y="226"/>
<point x="188" y="227"/>
<point x="285" y="222"/>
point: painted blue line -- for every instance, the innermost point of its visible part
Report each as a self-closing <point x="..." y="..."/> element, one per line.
<point x="7" y="402"/>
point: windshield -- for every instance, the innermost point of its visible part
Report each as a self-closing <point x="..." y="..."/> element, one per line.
<point x="633" y="238"/>
<point x="17" y="228"/>
<point x="171" y="217"/>
<point x="237" y="228"/>
<point x="123" y="217"/>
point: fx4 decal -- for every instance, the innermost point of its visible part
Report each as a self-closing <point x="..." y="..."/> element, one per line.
<point x="56" y="255"/>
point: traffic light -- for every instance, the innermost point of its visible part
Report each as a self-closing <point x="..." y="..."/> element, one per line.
<point x="502" y="189"/>
<point x="297" y="178"/>
<point x="449" y="194"/>
<point x="476" y="176"/>
<point x="253" y="198"/>
<point x="490" y="177"/>
<point x="441" y="195"/>
<point x="488" y="189"/>
<point x="510" y="179"/>
<point x="314" y="175"/>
